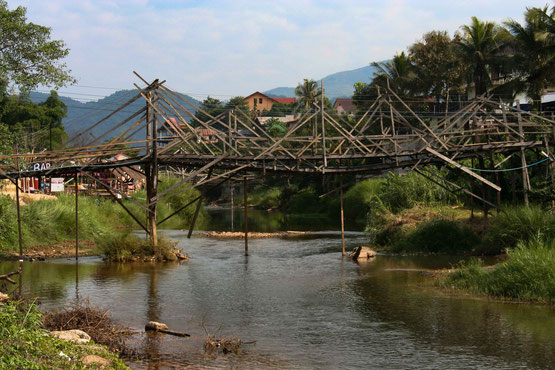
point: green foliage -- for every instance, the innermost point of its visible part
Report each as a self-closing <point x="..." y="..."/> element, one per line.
<point x="8" y="223"/>
<point x="125" y="247"/>
<point x="264" y="197"/>
<point x="28" y="56"/>
<point x="308" y="93"/>
<point x="360" y="198"/>
<point x="31" y="124"/>
<point x="527" y="274"/>
<point x="211" y="106"/>
<point x="404" y="191"/>
<point x="516" y="224"/>
<point x="276" y="128"/>
<point x="438" y="236"/>
<point x="25" y="345"/>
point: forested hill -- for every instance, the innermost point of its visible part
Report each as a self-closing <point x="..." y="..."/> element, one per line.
<point x="81" y="115"/>
<point x="336" y="85"/>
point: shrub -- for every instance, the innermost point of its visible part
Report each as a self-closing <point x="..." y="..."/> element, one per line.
<point x="25" y="345"/>
<point x="527" y="274"/>
<point x="438" y="236"/>
<point x="519" y="224"/>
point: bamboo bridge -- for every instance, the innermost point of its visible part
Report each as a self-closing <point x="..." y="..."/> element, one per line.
<point x="389" y="135"/>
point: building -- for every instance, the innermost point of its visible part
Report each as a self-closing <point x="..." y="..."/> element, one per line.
<point x="260" y="102"/>
<point x="344" y="105"/>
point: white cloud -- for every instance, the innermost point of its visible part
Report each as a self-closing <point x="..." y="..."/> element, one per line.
<point x="235" y="47"/>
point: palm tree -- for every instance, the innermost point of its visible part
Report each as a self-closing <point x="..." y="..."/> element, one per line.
<point x="399" y="71"/>
<point x="535" y="56"/>
<point x="308" y="93"/>
<point x="481" y="49"/>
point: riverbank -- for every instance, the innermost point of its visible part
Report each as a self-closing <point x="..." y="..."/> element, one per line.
<point x="48" y="222"/>
<point x="26" y="344"/>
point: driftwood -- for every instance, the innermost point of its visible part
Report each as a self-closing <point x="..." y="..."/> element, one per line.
<point x="7" y="276"/>
<point x="163" y="328"/>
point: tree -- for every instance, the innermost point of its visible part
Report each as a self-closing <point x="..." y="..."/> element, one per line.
<point x="211" y="106"/>
<point x="308" y="93"/>
<point x="237" y="102"/>
<point x="400" y="73"/>
<point x="276" y="128"/>
<point x="35" y="126"/>
<point x="28" y="57"/>
<point x="535" y="56"/>
<point x="481" y="49"/>
<point x="436" y="65"/>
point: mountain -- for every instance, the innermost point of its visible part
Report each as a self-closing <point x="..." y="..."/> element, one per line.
<point x="83" y="115"/>
<point x="340" y="84"/>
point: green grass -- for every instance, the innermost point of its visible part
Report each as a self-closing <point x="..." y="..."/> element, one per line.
<point x="49" y="221"/>
<point x="528" y="274"/>
<point x="26" y="345"/>
<point x="438" y="236"/>
<point x="516" y="224"/>
<point x="121" y="248"/>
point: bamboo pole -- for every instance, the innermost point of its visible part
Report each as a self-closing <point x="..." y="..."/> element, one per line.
<point x="342" y="216"/>
<point x="246" y="223"/>
<point x="525" y="179"/>
<point x="76" y="219"/>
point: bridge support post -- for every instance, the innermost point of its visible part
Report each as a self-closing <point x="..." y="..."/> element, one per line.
<point x="246" y="223"/>
<point x="342" y="216"/>
<point x="76" y="219"/>
<point x="151" y="173"/>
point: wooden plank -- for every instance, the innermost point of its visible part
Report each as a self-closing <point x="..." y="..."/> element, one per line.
<point x="464" y="169"/>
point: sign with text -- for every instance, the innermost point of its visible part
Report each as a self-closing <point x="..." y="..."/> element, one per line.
<point x="40" y="166"/>
<point x="57" y="184"/>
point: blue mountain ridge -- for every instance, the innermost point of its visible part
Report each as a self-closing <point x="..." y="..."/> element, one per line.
<point x="336" y="85"/>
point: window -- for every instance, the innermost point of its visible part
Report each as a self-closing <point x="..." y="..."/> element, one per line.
<point x="260" y="100"/>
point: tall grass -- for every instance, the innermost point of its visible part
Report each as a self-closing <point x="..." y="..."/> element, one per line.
<point x="516" y="224"/>
<point x="49" y="221"/>
<point x="527" y="274"/>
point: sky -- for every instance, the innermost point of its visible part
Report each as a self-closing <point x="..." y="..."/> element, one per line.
<point x="236" y="47"/>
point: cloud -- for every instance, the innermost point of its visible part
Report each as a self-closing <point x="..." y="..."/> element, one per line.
<point x="226" y="48"/>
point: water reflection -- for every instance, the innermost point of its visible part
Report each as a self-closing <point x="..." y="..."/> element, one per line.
<point x="304" y="304"/>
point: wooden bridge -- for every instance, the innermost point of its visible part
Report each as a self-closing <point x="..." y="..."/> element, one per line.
<point x="389" y="135"/>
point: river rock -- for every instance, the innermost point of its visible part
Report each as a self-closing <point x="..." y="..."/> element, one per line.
<point x="4" y="297"/>
<point x="362" y="253"/>
<point x="95" y="360"/>
<point x="153" y="325"/>
<point x="75" y="336"/>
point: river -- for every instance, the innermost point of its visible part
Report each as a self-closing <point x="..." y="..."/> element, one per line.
<point x="303" y="304"/>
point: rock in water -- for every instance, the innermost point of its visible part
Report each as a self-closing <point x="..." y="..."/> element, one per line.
<point x="75" y="335"/>
<point x="153" y="325"/>
<point x="362" y="253"/>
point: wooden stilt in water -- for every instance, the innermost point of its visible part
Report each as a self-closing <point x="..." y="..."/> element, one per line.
<point x="342" y="216"/>
<point x="232" y="210"/>
<point x="246" y="223"/>
<point x="19" y="225"/>
<point x="76" y="219"/>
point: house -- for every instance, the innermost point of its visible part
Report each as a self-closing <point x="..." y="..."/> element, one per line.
<point x="344" y="105"/>
<point x="259" y="102"/>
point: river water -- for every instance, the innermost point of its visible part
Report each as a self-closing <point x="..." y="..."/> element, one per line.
<point x="303" y="304"/>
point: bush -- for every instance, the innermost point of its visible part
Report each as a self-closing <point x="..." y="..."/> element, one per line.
<point x="264" y="197"/>
<point x="527" y="274"/>
<point x="520" y="224"/>
<point x="25" y="345"/>
<point x="360" y="198"/>
<point x="404" y="191"/>
<point x="438" y="236"/>
<point x="126" y="247"/>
